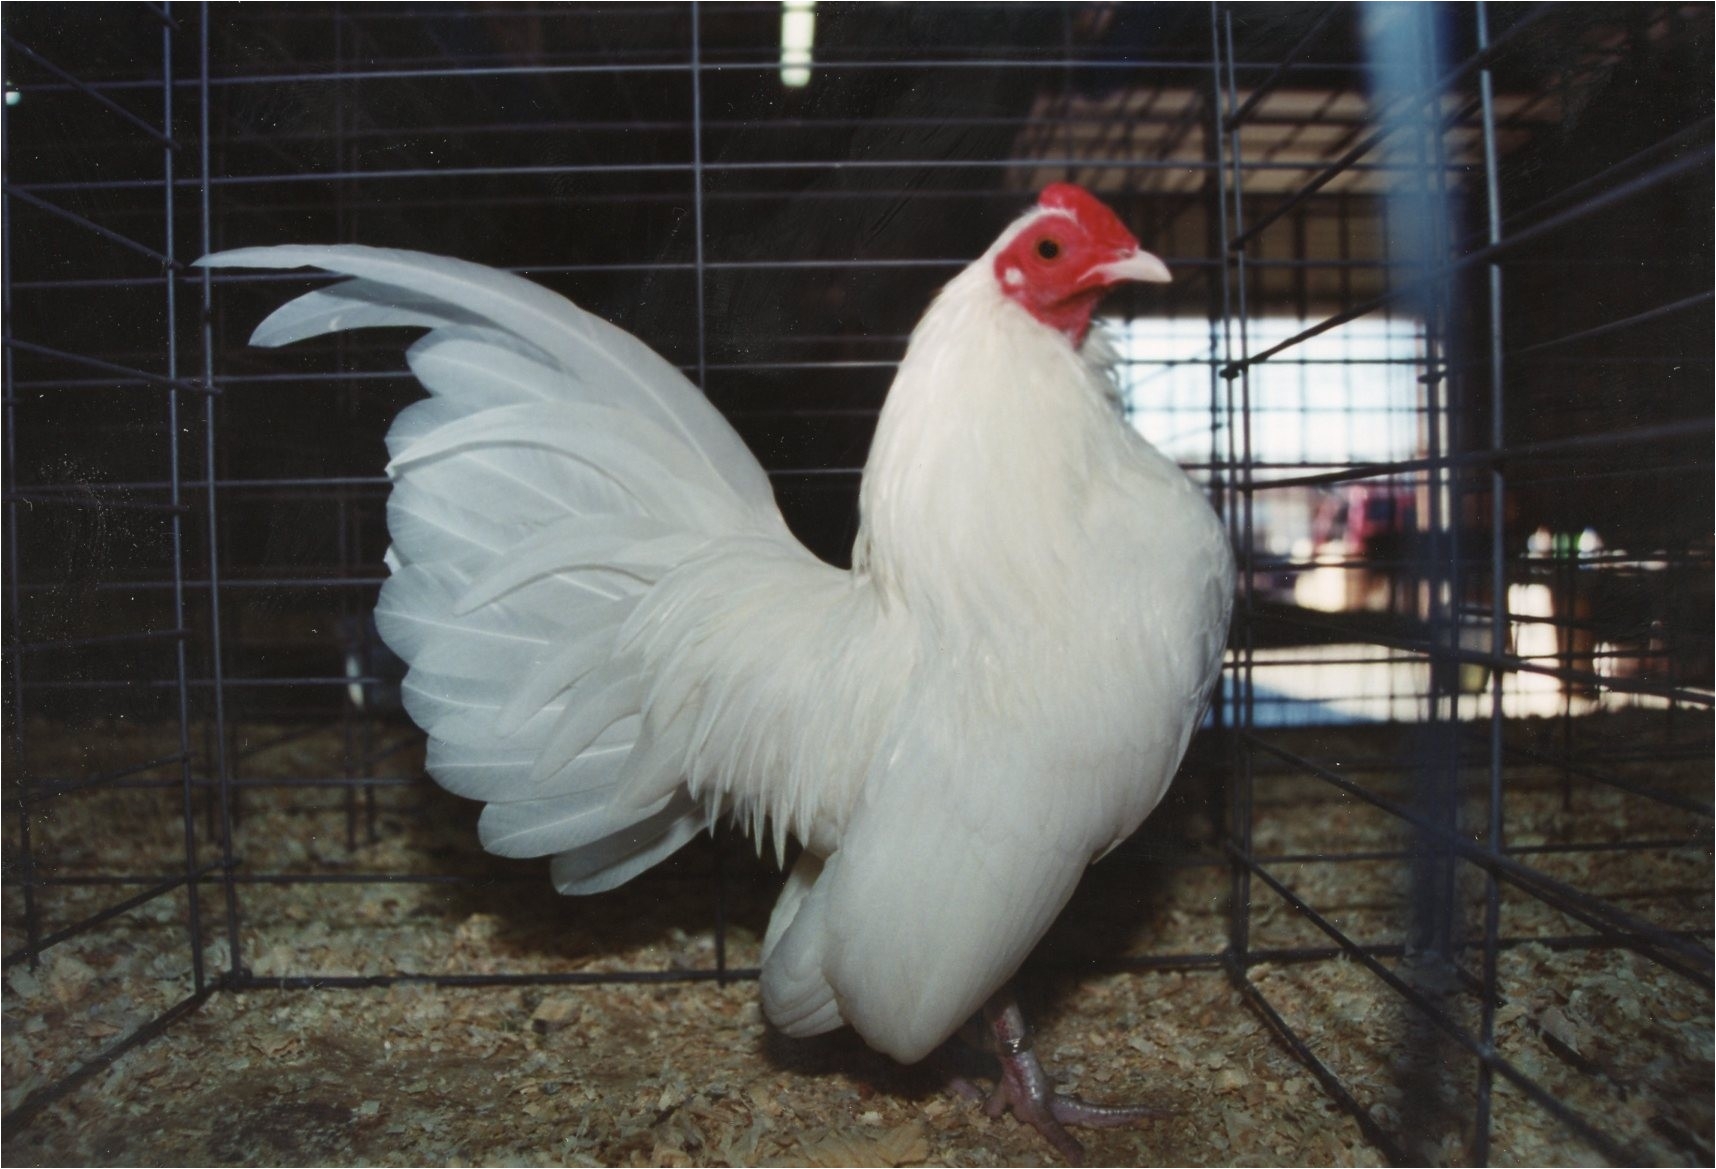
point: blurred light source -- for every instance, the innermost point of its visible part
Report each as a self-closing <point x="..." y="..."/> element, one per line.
<point x="798" y="34"/>
<point x="13" y="97"/>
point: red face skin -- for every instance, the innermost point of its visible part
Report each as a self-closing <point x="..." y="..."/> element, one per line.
<point x="1053" y="268"/>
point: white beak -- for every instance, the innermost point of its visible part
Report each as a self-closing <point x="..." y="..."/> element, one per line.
<point x="1139" y="265"/>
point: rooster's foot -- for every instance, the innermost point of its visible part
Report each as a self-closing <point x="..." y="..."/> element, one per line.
<point x="1024" y="1087"/>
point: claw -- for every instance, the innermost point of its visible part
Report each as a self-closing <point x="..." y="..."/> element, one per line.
<point x="1024" y="1087"/>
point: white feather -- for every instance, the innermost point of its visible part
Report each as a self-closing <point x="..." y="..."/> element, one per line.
<point x="353" y="304"/>
<point x="619" y="857"/>
<point x="584" y="346"/>
<point x="622" y="544"/>
<point x="480" y="367"/>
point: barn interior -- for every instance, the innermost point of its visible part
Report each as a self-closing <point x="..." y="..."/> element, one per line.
<point x="1434" y="883"/>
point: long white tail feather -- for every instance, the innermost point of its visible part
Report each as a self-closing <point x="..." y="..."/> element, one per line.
<point x="353" y="304"/>
<point x="585" y="346"/>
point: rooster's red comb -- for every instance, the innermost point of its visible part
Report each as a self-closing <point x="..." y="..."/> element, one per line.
<point x="1095" y="215"/>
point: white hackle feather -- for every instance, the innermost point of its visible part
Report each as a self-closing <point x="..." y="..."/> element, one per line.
<point x="613" y="639"/>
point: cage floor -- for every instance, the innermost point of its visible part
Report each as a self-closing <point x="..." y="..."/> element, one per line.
<point x="687" y="1072"/>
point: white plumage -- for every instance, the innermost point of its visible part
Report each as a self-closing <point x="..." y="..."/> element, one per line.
<point x="614" y="640"/>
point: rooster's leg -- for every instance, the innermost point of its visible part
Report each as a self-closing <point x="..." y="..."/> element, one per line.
<point x="1024" y="1087"/>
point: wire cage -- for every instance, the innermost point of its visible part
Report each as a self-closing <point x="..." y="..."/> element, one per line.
<point x="1434" y="885"/>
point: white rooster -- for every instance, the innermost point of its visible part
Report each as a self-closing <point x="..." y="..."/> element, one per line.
<point x="614" y="640"/>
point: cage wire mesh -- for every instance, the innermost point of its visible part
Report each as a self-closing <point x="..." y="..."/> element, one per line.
<point x="1439" y="345"/>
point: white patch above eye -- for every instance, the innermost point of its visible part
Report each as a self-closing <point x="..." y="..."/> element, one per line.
<point x="1012" y="277"/>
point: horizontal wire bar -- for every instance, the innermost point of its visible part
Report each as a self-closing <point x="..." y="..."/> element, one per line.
<point x="104" y="639"/>
<point x="248" y="981"/>
<point x="92" y="497"/>
<point x="464" y="70"/>
<point x="331" y="781"/>
<point x="73" y="493"/>
<point x="338" y="681"/>
<point x="483" y="878"/>
<point x="204" y="783"/>
<point x="749" y="196"/>
<point x="1399" y="854"/>
<point x="192" y="584"/>
<point x="106" y="233"/>
<point x="1093" y="119"/>
<point x="767" y="166"/>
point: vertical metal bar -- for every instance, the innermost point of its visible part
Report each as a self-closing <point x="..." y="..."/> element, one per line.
<point x="170" y="279"/>
<point x="1495" y="838"/>
<point x="26" y="858"/>
<point x="217" y="675"/>
<point x="351" y="534"/>
<point x="1240" y="828"/>
<point x="352" y="622"/>
<point x="1215" y="236"/>
<point x="1445" y="609"/>
<point x="720" y="832"/>
<point x="348" y="633"/>
<point x="1407" y="54"/>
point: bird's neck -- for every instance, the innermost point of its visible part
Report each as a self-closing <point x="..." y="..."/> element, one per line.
<point x="983" y="459"/>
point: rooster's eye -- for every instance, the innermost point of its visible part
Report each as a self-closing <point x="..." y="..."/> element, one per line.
<point x="1048" y="249"/>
